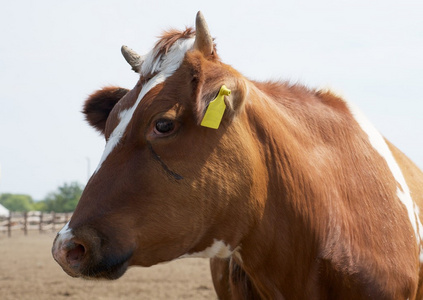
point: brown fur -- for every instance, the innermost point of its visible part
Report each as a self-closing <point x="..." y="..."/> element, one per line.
<point x="289" y="179"/>
<point x="168" y="38"/>
<point x="100" y="104"/>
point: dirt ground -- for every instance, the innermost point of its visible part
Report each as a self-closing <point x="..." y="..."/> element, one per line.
<point x="28" y="271"/>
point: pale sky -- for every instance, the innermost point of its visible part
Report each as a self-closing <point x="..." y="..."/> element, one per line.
<point x="53" y="54"/>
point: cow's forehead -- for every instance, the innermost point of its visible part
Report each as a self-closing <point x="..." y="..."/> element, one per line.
<point x="157" y="62"/>
<point x="161" y="65"/>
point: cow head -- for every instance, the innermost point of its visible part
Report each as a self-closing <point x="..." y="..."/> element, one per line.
<point x="166" y="187"/>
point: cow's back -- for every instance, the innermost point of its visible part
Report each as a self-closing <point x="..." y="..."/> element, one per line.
<point x="412" y="174"/>
<point x="414" y="178"/>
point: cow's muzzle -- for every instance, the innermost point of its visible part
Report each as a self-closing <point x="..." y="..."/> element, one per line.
<point x="84" y="253"/>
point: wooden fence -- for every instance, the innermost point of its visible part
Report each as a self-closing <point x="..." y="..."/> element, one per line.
<point x="33" y="220"/>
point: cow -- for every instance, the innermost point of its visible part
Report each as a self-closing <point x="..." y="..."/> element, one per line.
<point x="290" y="191"/>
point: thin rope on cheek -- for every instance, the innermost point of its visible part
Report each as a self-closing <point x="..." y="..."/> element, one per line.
<point x="164" y="166"/>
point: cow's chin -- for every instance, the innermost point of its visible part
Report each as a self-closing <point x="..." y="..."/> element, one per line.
<point x="109" y="268"/>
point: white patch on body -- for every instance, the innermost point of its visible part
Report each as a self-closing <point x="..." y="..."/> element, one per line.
<point x="378" y="142"/>
<point x="237" y="255"/>
<point x="217" y="249"/>
<point x="166" y="65"/>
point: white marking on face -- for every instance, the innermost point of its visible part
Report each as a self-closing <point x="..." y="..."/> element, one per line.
<point x="378" y="142"/>
<point x="217" y="249"/>
<point x="65" y="234"/>
<point x="65" y="229"/>
<point x="166" y="65"/>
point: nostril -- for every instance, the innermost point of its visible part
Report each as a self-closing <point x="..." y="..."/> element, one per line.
<point x="75" y="254"/>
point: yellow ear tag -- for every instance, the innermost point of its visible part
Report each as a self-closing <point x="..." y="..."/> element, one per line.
<point x="215" y="110"/>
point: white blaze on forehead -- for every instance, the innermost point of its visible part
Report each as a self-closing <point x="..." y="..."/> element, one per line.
<point x="165" y="65"/>
<point x="378" y="142"/>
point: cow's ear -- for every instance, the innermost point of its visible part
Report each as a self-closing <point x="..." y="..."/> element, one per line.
<point x="99" y="105"/>
<point x="209" y="103"/>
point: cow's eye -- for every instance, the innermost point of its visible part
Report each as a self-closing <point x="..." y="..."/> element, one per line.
<point x="164" y="126"/>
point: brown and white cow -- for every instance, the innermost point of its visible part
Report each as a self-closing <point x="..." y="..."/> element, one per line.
<point x="294" y="196"/>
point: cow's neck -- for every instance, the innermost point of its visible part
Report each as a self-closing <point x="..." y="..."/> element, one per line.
<point x="283" y="256"/>
<point x="312" y="182"/>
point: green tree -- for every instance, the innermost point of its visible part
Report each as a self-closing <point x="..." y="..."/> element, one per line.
<point x="64" y="199"/>
<point x="40" y="206"/>
<point x="16" y="202"/>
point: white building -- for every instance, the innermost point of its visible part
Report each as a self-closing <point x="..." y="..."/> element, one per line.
<point x="4" y="212"/>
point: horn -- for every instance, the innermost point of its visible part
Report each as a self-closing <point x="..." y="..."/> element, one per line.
<point x="203" y="40"/>
<point x="132" y="57"/>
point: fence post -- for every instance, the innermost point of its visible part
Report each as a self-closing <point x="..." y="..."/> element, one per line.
<point x="9" y="224"/>
<point x="54" y="221"/>
<point x="26" y="223"/>
<point x="41" y="222"/>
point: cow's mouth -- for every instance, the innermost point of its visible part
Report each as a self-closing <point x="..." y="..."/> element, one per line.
<point x="88" y="254"/>
<point x="88" y="266"/>
<point x="110" y="267"/>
